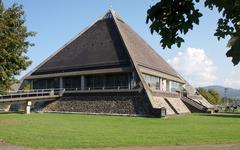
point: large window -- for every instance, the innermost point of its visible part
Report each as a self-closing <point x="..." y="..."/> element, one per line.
<point x="94" y="81"/>
<point x="152" y="81"/>
<point x="157" y="83"/>
<point x="117" y="80"/>
<point x="107" y="81"/>
<point x="72" y="82"/>
<point x="175" y="86"/>
<point x="97" y="81"/>
<point x="48" y="83"/>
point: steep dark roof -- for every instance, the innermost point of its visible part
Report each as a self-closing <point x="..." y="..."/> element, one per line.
<point x="108" y="42"/>
<point x="141" y="52"/>
<point x="99" y="46"/>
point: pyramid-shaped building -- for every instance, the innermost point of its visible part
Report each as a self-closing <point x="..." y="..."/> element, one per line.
<point x="109" y="69"/>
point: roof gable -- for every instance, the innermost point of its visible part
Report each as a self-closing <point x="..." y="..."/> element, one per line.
<point x="99" y="45"/>
<point x="108" y="42"/>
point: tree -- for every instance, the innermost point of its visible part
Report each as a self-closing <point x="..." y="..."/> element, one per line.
<point x="13" y="44"/>
<point x="210" y="95"/>
<point x="215" y="95"/>
<point x="172" y="18"/>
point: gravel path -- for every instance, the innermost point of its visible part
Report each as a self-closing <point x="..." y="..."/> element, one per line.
<point x="4" y="146"/>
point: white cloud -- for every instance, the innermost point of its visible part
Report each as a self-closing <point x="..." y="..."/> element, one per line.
<point x="195" y="66"/>
<point x="233" y="79"/>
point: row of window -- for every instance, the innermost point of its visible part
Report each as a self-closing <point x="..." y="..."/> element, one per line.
<point x="45" y="83"/>
<point x="157" y="83"/>
<point x="107" y="81"/>
<point x="175" y="86"/>
<point x="152" y="81"/>
<point x="91" y="81"/>
<point x="72" y="82"/>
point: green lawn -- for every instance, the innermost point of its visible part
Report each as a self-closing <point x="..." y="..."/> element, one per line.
<point x="73" y="130"/>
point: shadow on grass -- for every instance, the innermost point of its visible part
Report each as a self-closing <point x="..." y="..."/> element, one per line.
<point x="223" y="115"/>
<point x="12" y="112"/>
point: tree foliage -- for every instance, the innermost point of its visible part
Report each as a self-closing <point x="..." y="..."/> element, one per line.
<point x="13" y="44"/>
<point x="172" y="18"/>
<point x="212" y="96"/>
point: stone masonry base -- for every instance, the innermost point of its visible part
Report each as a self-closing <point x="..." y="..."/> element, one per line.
<point x="109" y="103"/>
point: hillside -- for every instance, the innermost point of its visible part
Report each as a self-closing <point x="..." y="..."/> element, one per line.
<point x="231" y="93"/>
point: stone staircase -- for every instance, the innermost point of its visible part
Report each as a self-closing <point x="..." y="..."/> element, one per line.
<point x="201" y="100"/>
<point x="194" y="105"/>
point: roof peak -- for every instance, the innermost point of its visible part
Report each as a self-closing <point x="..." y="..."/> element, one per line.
<point x="112" y="10"/>
<point x="109" y="14"/>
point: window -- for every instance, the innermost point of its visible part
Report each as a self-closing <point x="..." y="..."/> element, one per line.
<point x="152" y="81"/>
<point x="157" y="83"/>
<point x="121" y="80"/>
<point x="52" y="83"/>
<point x="108" y="81"/>
<point x="48" y="83"/>
<point x="117" y="81"/>
<point x="72" y="82"/>
<point x="175" y="86"/>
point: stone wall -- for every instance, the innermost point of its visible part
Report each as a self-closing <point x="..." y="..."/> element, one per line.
<point x="115" y="103"/>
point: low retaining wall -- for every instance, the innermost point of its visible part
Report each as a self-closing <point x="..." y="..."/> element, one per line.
<point x="111" y="103"/>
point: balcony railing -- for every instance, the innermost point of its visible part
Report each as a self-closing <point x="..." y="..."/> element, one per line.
<point x="101" y="89"/>
<point x="20" y="94"/>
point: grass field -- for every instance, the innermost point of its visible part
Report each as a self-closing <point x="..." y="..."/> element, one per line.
<point x="73" y="130"/>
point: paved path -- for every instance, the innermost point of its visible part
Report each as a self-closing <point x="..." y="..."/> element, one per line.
<point x="4" y="146"/>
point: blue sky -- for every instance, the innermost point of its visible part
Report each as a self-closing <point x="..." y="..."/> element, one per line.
<point x="201" y="60"/>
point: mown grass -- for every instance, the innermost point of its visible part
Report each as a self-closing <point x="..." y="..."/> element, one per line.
<point x="73" y="130"/>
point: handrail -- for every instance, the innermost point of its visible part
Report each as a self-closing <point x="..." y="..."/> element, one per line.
<point x="29" y="93"/>
<point x="194" y="103"/>
<point x="99" y="87"/>
<point x="53" y="91"/>
<point x="33" y="90"/>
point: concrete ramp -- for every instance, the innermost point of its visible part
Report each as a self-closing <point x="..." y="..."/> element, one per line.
<point x="178" y="105"/>
<point x="201" y="100"/>
<point x="161" y="102"/>
<point x="195" y="101"/>
<point x="198" y="104"/>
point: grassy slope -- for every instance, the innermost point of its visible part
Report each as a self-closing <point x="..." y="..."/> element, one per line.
<point x="69" y="130"/>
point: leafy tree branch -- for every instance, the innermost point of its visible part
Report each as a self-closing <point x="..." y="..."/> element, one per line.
<point x="173" y="18"/>
<point x="13" y="44"/>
